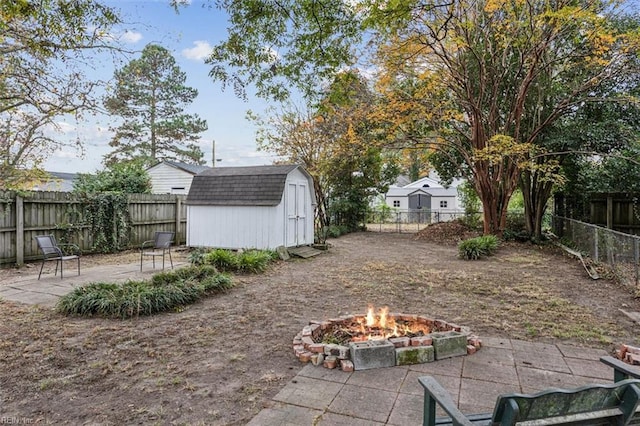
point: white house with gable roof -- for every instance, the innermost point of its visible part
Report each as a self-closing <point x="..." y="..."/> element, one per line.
<point x="429" y="195"/>
<point x="173" y="177"/>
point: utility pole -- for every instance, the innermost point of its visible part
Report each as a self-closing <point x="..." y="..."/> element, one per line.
<point x="213" y="154"/>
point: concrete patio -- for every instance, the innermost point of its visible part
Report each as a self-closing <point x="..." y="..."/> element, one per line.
<point x="393" y="396"/>
<point x="26" y="288"/>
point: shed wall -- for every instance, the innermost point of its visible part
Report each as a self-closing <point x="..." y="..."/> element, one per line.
<point x="235" y="227"/>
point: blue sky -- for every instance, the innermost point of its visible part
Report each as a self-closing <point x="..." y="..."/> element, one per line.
<point x="189" y="35"/>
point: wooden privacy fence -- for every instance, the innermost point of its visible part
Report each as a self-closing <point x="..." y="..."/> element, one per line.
<point x="25" y="215"/>
<point x="619" y="211"/>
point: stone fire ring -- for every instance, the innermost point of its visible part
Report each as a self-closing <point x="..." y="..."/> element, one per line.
<point x="445" y="341"/>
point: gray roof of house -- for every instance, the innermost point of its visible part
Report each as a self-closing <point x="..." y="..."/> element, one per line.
<point x="240" y="186"/>
<point x="57" y="181"/>
<point x="190" y="168"/>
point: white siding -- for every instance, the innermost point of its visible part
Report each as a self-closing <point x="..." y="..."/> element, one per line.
<point x="235" y="227"/>
<point x="452" y="203"/>
<point x="165" y="177"/>
<point x="404" y="202"/>
<point x="260" y="227"/>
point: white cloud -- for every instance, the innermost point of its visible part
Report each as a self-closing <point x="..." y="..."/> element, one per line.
<point x="64" y="127"/>
<point x="130" y="36"/>
<point x="67" y="153"/>
<point x="271" y="55"/>
<point x="199" y="52"/>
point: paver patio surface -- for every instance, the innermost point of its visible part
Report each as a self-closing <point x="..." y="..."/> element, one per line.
<point x="393" y="396"/>
<point x="49" y="288"/>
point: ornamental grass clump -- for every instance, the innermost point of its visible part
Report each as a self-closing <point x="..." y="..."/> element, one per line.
<point x="475" y="248"/>
<point x="224" y="260"/>
<point x="254" y="261"/>
<point x="192" y="272"/>
<point x="246" y="261"/>
<point x="164" y="292"/>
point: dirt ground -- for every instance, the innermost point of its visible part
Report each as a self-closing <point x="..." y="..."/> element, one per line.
<point x="221" y="361"/>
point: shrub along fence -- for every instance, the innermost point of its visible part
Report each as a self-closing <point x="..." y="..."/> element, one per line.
<point x="66" y="215"/>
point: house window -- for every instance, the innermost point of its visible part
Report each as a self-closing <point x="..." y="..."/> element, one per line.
<point x="443" y="204"/>
<point x="396" y="203"/>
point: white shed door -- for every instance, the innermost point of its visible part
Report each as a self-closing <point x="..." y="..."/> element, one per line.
<point x="296" y="214"/>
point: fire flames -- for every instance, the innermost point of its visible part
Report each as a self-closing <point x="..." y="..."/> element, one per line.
<point x="383" y="326"/>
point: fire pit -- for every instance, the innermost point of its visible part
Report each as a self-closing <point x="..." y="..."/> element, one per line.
<point x="361" y="342"/>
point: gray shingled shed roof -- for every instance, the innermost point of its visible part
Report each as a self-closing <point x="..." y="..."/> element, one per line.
<point x="240" y="186"/>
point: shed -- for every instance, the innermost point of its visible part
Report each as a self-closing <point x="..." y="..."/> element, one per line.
<point x="262" y="207"/>
<point x="173" y="177"/>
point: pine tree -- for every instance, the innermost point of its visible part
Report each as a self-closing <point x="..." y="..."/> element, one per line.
<point x="150" y="96"/>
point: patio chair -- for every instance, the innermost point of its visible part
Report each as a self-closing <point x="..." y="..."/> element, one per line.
<point x="51" y="250"/>
<point x="160" y="245"/>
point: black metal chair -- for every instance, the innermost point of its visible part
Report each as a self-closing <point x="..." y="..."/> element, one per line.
<point x="51" y="250"/>
<point x="160" y="245"/>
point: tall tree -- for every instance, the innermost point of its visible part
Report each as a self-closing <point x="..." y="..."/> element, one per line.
<point x="356" y="168"/>
<point x="277" y="45"/>
<point x="333" y="140"/>
<point x="45" y="52"/>
<point x="293" y="134"/>
<point x="150" y="96"/>
<point x="492" y="76"/>
<point x="488" y="76"/>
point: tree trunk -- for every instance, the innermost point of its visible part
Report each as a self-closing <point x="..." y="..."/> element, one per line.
<point x="536" y="194"/>
<point x="321" y="222"/>
<point x="494" y="206"/>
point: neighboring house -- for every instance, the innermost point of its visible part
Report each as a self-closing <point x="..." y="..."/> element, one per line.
<point x="429" y="195"/>
<point x="173" y="177"/>
<point x="57" y="181"/>
<point x="262" y="207"/>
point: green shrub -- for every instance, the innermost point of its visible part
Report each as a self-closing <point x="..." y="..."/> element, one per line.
<point x="334" y="231"/>
<point x="250" y="261"/>
<point x="224" y="260"/>
<point x="197" y="256"/>
<point x="254" y="261"/>
<point x="164" y="292"/>
<point x="192" y="272"/>
<point x="475" y="248"/>
<point x="218" y="282"/>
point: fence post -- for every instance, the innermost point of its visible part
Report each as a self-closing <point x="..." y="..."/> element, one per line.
<point x="19" y="230"/>
<point x="178" y="219"/>
<point x="595" y="244"/>
<point x="636" y="256"/>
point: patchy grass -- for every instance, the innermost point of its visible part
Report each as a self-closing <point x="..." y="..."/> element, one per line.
<point x="176" y="368"/>
<point x="536" y="310"/>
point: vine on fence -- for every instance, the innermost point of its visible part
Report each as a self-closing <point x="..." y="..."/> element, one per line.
<point x="107" y="213"/>
<point x="70" y="230"/>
